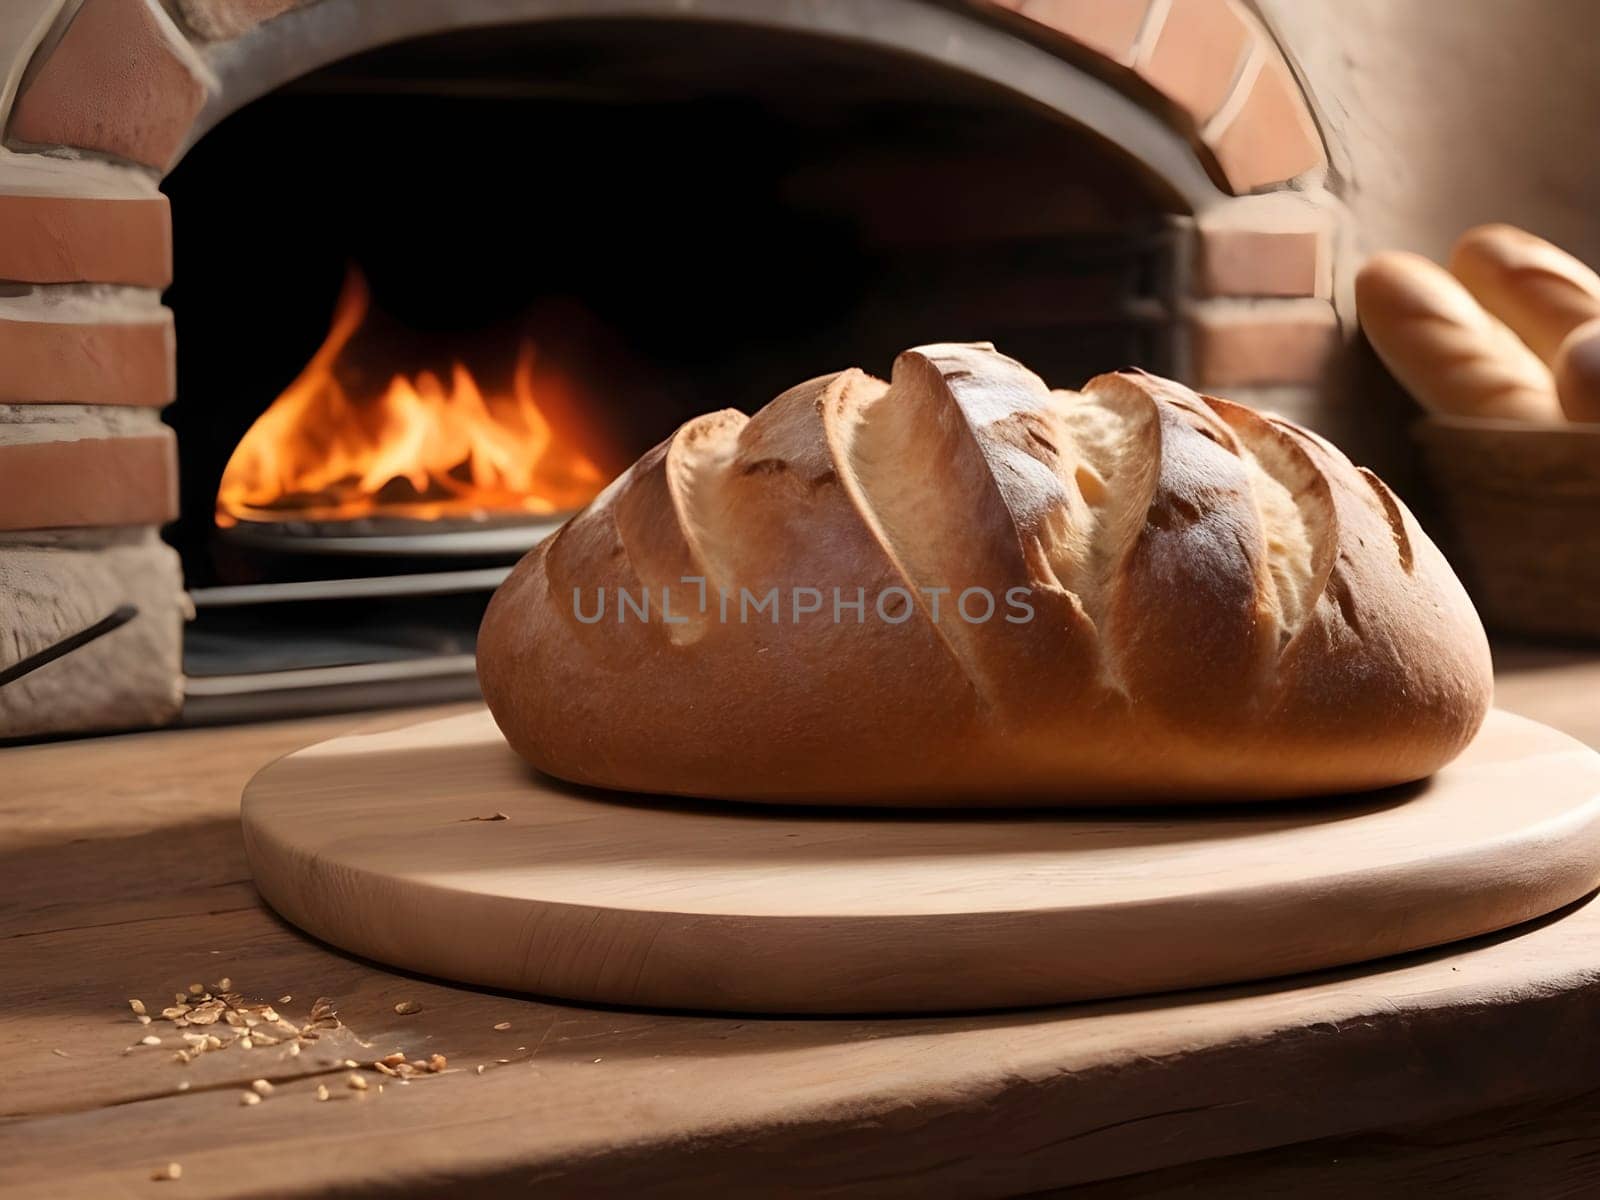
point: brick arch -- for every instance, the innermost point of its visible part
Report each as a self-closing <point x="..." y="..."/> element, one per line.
<point x="127" y="82"/>
<point x="1195" y="91"/>
<point x="99" y="98"/>
<point x="124" y="80"/>
<point x="1222" y="78"/>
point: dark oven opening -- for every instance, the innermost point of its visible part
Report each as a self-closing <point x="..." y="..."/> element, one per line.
<point x="621" y="223"/>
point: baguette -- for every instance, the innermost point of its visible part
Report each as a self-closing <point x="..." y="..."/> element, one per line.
<point x="1127" y="594"/>
<point x="1577" y="372"/>
<point x="1539" y="290"/>
<point x="1451" y="354"/>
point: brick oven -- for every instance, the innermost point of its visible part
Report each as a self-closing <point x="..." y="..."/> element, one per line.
<point x="1087" y="182"/>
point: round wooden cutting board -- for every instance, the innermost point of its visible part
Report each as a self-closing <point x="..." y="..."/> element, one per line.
<point x="432" y="847"/>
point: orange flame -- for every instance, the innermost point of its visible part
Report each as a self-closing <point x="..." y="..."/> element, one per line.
<point x="418" y="450"/>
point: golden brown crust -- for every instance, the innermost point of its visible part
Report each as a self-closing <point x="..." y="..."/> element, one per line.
<point x="1449" y="352"/>
<point x="1221" y="605"/>
<point x="1539" y="290"/>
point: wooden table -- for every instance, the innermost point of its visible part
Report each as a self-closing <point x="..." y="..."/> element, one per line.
<point x="1469" y="1071"/>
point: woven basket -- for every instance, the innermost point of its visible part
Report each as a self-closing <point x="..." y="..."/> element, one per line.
<point x="1523" y="502"/>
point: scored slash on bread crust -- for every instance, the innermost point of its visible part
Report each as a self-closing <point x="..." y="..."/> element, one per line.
<point x="1222" y="605"/>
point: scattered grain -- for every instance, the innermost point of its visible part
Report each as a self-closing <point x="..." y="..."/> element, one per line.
<point x="503" y="1026"/>
<point x="481" y="1067"/>
<point x="183" y="1085"/>
<point x="60" y="1054"/>
<point x="247" y="1026"/>
<point x="171" y="1171"/>
<point x="137" y="1006"/>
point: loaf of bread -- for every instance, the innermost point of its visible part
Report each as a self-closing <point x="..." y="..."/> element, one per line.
<point x="1539" y="290"/>
<point x="1449" y="352"/>
<point x="962" y="588"/>
<point x="1577" y="372"/>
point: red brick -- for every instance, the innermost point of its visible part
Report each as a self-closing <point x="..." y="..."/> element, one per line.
<point x="73" y="239"/>
<point x="1274" y="258"/>
<point x="87" y="362"/>
<point x="121" y="80"/>
<point x="220" y="20"/>
<point x="1271" y="138"/>
<point x="1195" y="56"/>
<point x="1262" y="344"/>
<point x="1108" y="27"/>
<point x="90" y="481"/>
